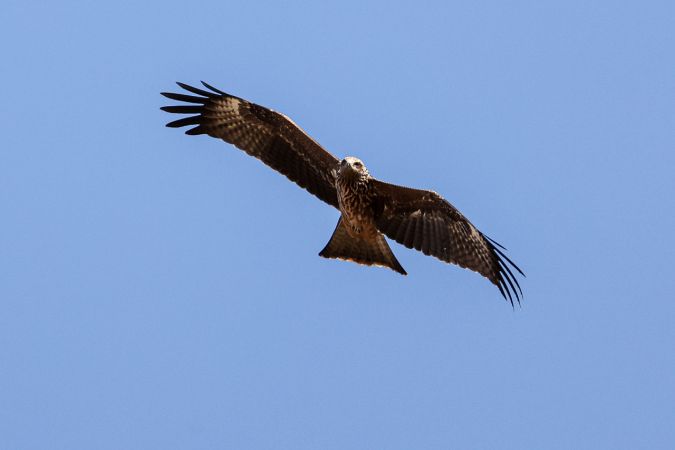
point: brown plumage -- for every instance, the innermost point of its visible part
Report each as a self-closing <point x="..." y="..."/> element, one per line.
<point x="418" y="219"/>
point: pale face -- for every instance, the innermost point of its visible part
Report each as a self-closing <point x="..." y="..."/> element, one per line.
<point x="352" y="164"/>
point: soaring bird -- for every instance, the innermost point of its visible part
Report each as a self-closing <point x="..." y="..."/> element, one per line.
<point x="369" y="208"/>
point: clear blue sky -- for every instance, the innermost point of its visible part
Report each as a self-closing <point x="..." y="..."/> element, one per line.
<point x="160" y="291"/>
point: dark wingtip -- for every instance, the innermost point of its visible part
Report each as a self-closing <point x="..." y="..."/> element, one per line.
<point x="185" y="98"/>
<point x="195" y="131"/>
<point x="508" y="293"/>
<point x="192" y="120"/>
<point x="216" y="90"/>
<point x="195" y="90"/>
<point x="183" y="109"/>
<point x="510" y="262"/>
<point x="505" y="267"/>
<point x="494" y="242"/>
<point x="501" y="290"/>
<point x="504" y="278"/>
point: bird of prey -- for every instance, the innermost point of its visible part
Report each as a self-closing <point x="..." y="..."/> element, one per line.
<point x="369" y="208"/>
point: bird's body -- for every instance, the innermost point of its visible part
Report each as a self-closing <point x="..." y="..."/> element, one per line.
<point x="356" y="237"/>
<point x="355" y="198"/>
<point x="369" y="208"/>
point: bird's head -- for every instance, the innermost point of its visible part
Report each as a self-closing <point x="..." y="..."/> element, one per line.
<point x="351" y="166"/>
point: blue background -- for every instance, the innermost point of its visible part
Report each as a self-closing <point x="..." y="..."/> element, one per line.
<point x="164" y="291"/>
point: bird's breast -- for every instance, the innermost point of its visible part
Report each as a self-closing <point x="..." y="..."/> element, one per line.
<point x="355" y="206"/>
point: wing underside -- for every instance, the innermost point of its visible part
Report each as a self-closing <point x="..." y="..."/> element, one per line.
<point x="423" y="220"/>
<point x="261" y="132"/>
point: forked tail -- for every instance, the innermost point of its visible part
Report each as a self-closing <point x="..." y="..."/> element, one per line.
<point x="371" y="252"/>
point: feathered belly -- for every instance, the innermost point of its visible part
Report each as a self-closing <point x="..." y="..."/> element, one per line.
<point x="356" y="212"/>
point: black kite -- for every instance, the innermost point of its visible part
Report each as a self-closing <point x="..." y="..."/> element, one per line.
<point x="369" y="208"/>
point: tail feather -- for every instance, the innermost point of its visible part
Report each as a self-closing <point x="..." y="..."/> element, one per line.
<point x="374" y="251"/>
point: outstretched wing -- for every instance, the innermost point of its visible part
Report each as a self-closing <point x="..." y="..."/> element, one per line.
<point x="425" y="221"/>
<point x="268" y="135"/>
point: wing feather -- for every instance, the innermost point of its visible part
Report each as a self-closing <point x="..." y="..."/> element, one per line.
<point x="426" y="221"/>
<point x="261" y="132"/>
<point x="428" y="241"/>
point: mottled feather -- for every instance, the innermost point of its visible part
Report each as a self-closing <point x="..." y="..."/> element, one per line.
<point x="261" y="132"/>
<point x="425" y="221"/>
<point x="418" y="219"/>
<point x="370" y="251"/>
